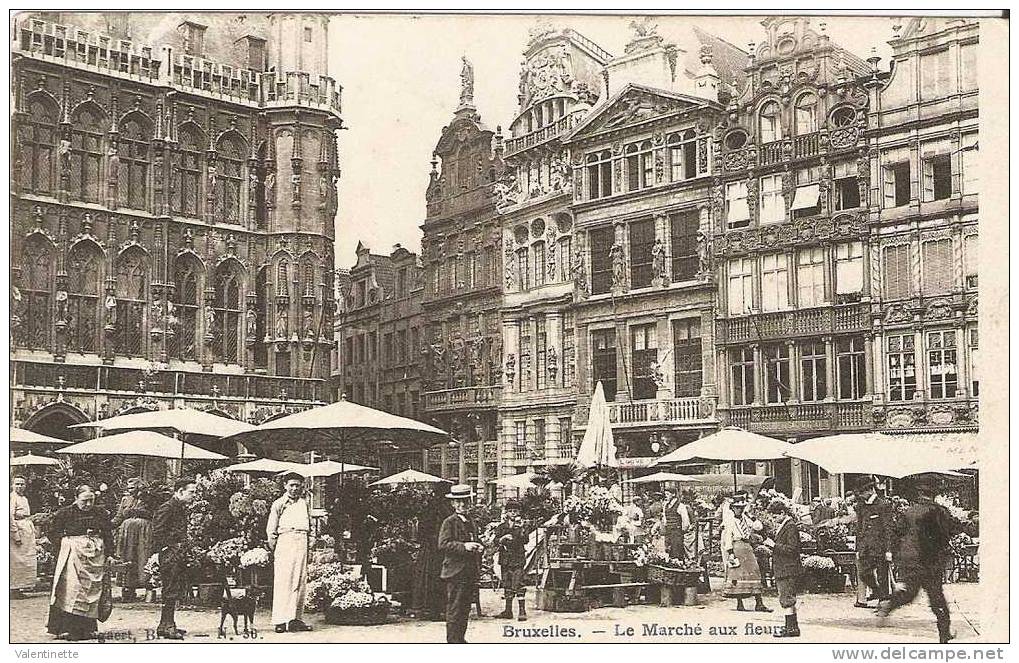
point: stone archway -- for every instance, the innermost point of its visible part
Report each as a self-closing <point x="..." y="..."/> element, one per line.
<point x="55" y="420"/>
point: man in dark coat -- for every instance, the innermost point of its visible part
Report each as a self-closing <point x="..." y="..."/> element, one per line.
<point x="511" y="541"/>
<point x="924" y="530"/>
<point x="873" y="541"/>
<point x="458" y="542"/>
<point x="169" y="534"/>
<point x="786" y="566"/>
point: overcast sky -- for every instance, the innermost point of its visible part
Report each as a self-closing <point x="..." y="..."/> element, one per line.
<point x="401" y="83"/>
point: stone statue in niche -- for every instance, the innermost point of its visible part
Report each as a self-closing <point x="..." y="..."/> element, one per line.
<point x="270" y="188"/>
<point x="282" y="322"/>
<point x="171" y="317"/>
<point x="309" y="323"/>
<point x="658" y="272"/>
<point x="156" y="313"/>
<point x="111" y="312"/>
<point x="704" y="250"/>
<point x="618" y="266"/>
<point x="61" y="301"/>
<point x="250" y="323"/>
<point x="295" y="187"/>
<point x="210" y="318"/>
<point x="211" y="177"/>
<point x="64" y="154"/>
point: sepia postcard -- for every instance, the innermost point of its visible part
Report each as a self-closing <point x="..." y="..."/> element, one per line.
<point x="509" y="328"/>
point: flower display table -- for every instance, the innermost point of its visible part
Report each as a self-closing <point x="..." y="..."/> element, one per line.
<point x="581" y="576"/>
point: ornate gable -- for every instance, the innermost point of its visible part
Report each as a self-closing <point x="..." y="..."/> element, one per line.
<point x="633" y="105"/>
<point x="466" y="130"/>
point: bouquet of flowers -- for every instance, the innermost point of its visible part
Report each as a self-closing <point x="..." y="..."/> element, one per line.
<point x="835" y="537"/>
<point x="43" y="556"/>
<point x="151" y="571"/>
<point x="227" y="553"/>
<point x="255" y="557"/>
<point x="329" y="582"/>
<point x="577" y="509"/>
<point x="604" y="508"/>
<point x="818" y="563"/>
<point x="352" y="600"/>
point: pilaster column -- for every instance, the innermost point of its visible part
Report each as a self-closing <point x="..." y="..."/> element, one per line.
<point x="759" y="371"/>
<point x="829" y="367"/>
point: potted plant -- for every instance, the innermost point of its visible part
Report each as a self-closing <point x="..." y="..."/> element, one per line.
<point x="254" y="563"/>
<point x="343" y="597"/>
<point x="822" y="574"/>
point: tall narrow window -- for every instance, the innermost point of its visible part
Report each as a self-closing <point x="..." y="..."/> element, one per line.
<point x="685" y="255"/>
<point x="772" y="199"/>
<point x="970" y="163"/>
<point x="642" y="240"/>
<point x="737" y="210"/>
<point x="539" y="263"/>
<point x="848" y="270"/>
<point x="813" y="371"/>
<point x="132" y="289"/>
<point x="541" y="351"/>
<point x="229" y="159"/>
<point x="83" y="298"/>
<point x="683" y="156"/>
<point x="852" y="367"/>
<point x="526" y="365"/>
<point x="770" y="123"/>
<point x="942" y="363"/>
<point x="186" y="291"/>
<point x="37" y="279"/>
<point x="599" y="174"/>
<point x="741" y="286"/>
<point x="640" y="166"/>
<point x="807" y="196"/>
<point x="847" y="186"/>
<point x="227" y="316"/>
<point x="262" y="298"/>
<point x="742" y="376"/>
<point x="603" y="364"/>
<point x="37" y="141"/>
<point x="644" y="347"/>
<point x="686" y="353"/>
<point x="602" y="240"/>
<point x="283" y="281"/>
<point x="897" y="272"/>
<point x="564" y="262"/>
<point x="186" y="196"/>
<point x="974" y="361"/>
<point x="523" y="269"/>
<point x="938" y="272"/>
<point x="774" y="282"/>
<point x="900" y="351"/>
<point x="568" y="364"/>
<point x="810" y="277"/>
<point x="133" y="150"/>
<point x="896" y="174"/>
<point x="806" y="114"/>
<point x="971" y="259"/>
<point x="565" y="437"/>
<point x="87" y="129"/>
<point x="937" y="170"/>
<point x="777" y="380"/>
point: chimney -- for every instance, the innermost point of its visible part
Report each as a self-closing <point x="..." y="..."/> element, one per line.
<point x="707" y="80"/>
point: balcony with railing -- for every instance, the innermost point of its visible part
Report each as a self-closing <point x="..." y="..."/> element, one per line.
<point x="692" y="411"/>
<point x="461" y="398"/>
<point x="544" y="134"/>
<point x="838" y="319"/>
<point x="794" y="418"/>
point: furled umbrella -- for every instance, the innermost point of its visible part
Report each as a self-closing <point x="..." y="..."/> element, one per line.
<point x="140" y="443"/>
<point x="877" y="453"/>
<point x="409" y="476"/>
<point x="729" y="445"/>
<point x="32" y="459"/>
<point x="598" y="448"/>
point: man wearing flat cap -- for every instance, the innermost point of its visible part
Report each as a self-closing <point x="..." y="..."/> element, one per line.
<point x="461" y="550"/>
<point x="287" y="533"/>
<point x="786" y="565"/>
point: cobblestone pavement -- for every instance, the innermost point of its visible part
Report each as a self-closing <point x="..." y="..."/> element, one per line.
<point x="823" y="618"/>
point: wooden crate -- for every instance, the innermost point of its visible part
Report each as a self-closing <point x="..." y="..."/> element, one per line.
<point x="558" y="600"/>
<point x="667" y="577"/>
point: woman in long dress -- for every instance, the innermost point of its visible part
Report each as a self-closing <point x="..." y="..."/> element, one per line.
<point x="23" y="561"/>
<point x="740" y="533"/>
<point x="85" y="537"/>
<point x="134" y="545"/>
<point x="428" y="596"/>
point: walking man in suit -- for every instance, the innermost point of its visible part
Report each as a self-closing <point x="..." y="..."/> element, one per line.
<point x="786" y="566"/>
<point x="169" y="532"/>
<point x="461" y="550"/>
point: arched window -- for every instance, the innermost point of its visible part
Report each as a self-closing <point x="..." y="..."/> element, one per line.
<point x="770" y="123"/>
<point x="282" y="287"/>
<point x="188" y="174"/>
<point x="683" y="155"/>
<point x="132" y="281"/>
<point x="37" y="140"/>
<point x="86" y="155"/>
<point x="37" y="277"/>
<point x="133" y="152"/>
<point x="227" y="310"/>
<point x="83" y="298"/>
<point x="599" y="174"/>
<point x="260" y="201"/>
<point x="185" y="278"/>
<point x="308" y="279"/>
<point x="640" y="165"/>
<point x="229" y="159"/>
<point x="806" y="114"/>
<point x="261" y="311"/>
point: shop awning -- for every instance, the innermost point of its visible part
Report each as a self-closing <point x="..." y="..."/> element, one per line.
<point x="807" y="196"/>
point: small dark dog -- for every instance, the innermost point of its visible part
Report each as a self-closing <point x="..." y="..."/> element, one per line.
<point x="239" y="606"/>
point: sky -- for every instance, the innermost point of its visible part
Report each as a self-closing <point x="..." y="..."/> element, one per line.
<point x="401" y="83"/>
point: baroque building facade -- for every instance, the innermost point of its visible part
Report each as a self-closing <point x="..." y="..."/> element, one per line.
<point x="173" y="214"/>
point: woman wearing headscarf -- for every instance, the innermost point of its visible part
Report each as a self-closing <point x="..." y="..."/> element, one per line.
<point x="740" y="533"/>
<point x="86" y="540"/>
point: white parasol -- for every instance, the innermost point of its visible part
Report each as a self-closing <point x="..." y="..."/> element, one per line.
<point x="140" y="443"/>
<point x="409" y="476"/>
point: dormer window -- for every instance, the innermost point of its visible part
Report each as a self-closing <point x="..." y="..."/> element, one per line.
<point x="194" y="38"/>
<point x="770" y="127"/>
<point x="599" y="174"/>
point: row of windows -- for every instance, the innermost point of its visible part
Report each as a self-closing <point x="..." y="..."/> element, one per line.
<point x="772" y="372"/>
<point x="541" y="366"/>
<point x="938" y="165"/>
<point x="940" y="358"/>
<point x="647" y="256"/>
<point x="533" y="269"/>
<point x="686" y="156"/>
<point x="533" y="433"/>
<point x="774" y="207"/>
<point x="644" y="375"/>
<point x="469" y="270"/>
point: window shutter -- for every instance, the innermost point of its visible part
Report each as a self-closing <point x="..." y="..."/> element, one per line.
<point x="928" y="179"/>
<point x="937" y="266"/>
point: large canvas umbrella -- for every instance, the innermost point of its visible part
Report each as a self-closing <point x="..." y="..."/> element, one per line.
<point x="22" y="436"/>
<point x="524" y="481"/>
<point x="598" y="449"/>
<point x="183" y="420"/>
<point x="140" y="443"/>
<point x="876" y="453"/>
<point x="729" y="445"/>
<point x="409" y="476"/>
<point x="32" y="459"/>
<point x="326" y="468"/>
<point x="262" y="466"/>
<point x="659" y="477"/>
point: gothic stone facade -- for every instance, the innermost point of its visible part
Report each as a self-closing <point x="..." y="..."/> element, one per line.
<point x="172" y="215"/>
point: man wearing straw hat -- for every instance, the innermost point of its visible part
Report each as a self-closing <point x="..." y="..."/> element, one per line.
<point x="458" y="542"/>
<point x="287" y="533"/>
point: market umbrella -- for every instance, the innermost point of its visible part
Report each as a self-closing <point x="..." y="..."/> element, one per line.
<point x="409" y="476"/>
<point x="876" y="453"/>
<point x="262" y="465"/>
<point x="524" y="480"/>
<point x="140" y="443"/>
<point x="32" y="459"/>
<point x="326" y="468"/>
<point x="183" y="420"/>
<point x="728" y="445"/>
<point x="22" y="436"/>
<point x="598" y="449"/>
<point x="658" y="477"/>
<point x="743" y="481"/>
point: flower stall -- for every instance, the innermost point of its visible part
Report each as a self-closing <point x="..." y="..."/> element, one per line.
<point x="343" y="597"/>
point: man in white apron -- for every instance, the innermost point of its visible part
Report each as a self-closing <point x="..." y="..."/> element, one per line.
<point x="287" y="531"/>
<point x="23" y="562"/>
